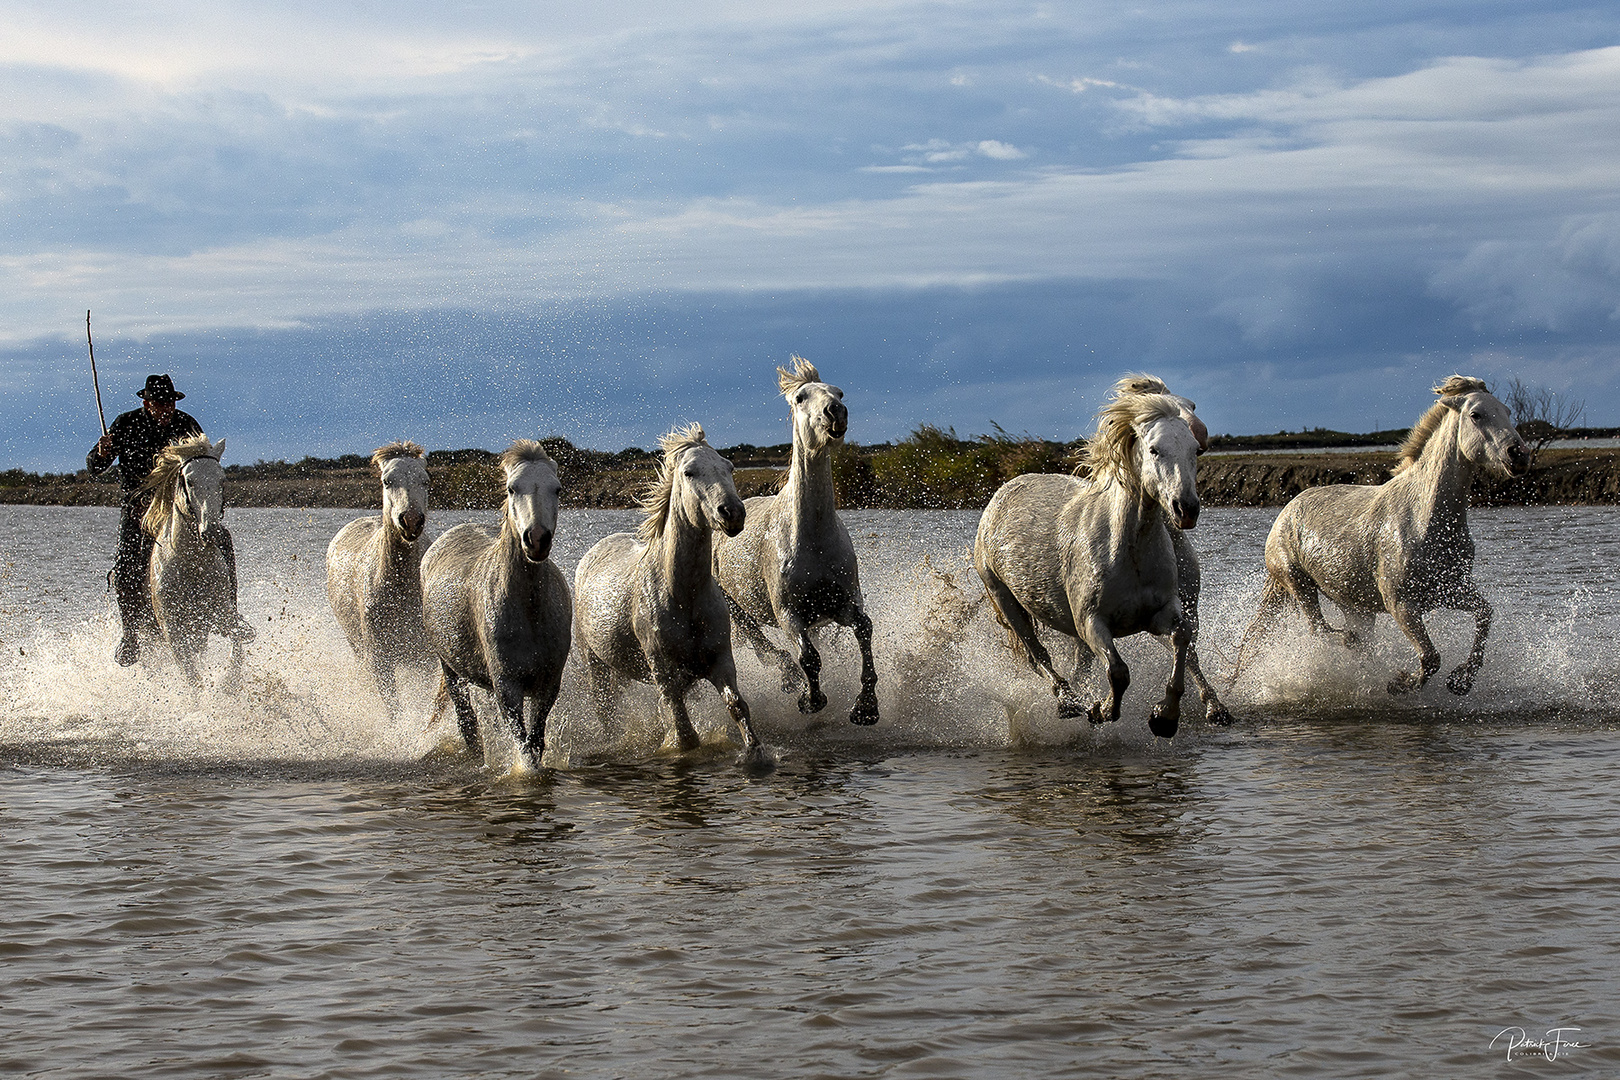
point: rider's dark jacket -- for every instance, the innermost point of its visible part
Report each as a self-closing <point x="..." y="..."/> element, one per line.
<point x="137" y="438"/>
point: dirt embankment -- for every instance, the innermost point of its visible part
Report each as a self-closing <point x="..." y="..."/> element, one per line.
<point x="1572" y="477"/>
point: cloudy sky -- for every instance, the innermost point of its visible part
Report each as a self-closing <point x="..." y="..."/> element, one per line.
<point x="342" y="223"/>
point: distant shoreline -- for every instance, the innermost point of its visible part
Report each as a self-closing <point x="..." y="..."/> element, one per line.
<point x="958" y="475"/>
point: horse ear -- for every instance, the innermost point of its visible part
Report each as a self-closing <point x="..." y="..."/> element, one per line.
<point x="219" y="448"/>
<point x="1454" y="402"/>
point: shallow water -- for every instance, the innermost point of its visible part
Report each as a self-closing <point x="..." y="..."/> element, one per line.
<point x="290" y="884"/>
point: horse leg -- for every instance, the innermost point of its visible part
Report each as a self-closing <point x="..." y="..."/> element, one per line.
<point x="237" y="627"/>
<point x="1017" y="620"/>
<point x="466" y="719"/>
<point x="602" y="686"/>
<point x="233" y="675"/>
<point x="1189" y="583"/>
<point x="509" y="700"/>
<point x="865" y="711"/>
<point x="755" y="758"/>
<point x="382" y="673"/>
<point x="1461" y="680"/>
<point x="1410" y="620"/>
<point x="1094" y="635"/>
<point x="1166" y="715"/>
<point x="1273" y="599"/>
<point x="769" y="655"/>
<point x="812" y="700"/>
<point x="545" y="697"/>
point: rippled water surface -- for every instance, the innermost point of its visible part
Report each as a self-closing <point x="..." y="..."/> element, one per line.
<point x="289" y="884"/>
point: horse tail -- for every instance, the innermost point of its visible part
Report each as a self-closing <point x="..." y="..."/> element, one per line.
<point x="1273" y="598"/>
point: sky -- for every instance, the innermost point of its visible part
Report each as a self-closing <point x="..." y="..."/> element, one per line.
<point x="340" y="224"/>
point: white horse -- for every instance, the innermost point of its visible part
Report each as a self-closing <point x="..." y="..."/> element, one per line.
<point x="793" y="566"/>
<point x="1401" y="547"/>
<point x="192" y="595"/>
<point x="496" y="608"/>
<point x="374" y="572"/>
<point x="1093" y="558"/>
<point x="1189" y="576"/>
<point x="646" y="605"/>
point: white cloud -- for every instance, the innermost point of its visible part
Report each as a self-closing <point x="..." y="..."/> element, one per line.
<point x="1000" y="151"/>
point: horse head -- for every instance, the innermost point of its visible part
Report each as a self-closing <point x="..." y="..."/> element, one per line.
<point x="200" y="494"/>
<point x="819" y="414"/>
<point x="1485" y="433"/>
<point x="532" y="493"/>
<point x="1167" y="465"/>
<point x="402" y="467"/>
<point x="405" y="495"/>
<point x="702" y="489"/>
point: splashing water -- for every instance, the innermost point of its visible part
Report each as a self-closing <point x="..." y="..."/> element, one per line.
<point x="947" y="675"/>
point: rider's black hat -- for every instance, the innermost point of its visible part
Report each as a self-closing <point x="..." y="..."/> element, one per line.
<point x="159" y="388"/>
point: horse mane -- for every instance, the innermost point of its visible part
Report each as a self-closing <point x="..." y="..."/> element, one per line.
<point x="654" y="502"/>
<point x="803" y="373"/>
<point x="161" y="480"/>
<point x="1430" y="421"/>
<point x="523" y="450"/>
<point x="1110" y="453"/>
<point x="402" y="448"/>
<point x="1139" y="383"/>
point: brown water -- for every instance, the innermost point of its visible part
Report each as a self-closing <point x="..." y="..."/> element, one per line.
<point x="287" y="884"/>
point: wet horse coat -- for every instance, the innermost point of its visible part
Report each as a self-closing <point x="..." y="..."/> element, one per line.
<point x="793" y="565"/>
<point x="374" y="572"/>
<point x="496" y="609"/>
<point x="1093" y="558"/>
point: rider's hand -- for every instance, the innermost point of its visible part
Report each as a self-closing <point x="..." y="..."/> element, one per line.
<point x="104" y="445"/>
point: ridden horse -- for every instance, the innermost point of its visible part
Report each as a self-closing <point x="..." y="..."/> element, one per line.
<point x="1093" y="558"/>
<point x="1401" y="547"/>
<point x="374" y="572"/>
<point x="793" y="566"/>
<point x="646" y="605"/>
<point x="1189" y="576"/>
<point x="496" y="609"/>
<point x="190" y="579"/>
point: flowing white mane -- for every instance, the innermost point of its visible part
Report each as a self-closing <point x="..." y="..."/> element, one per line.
<point x="523" y="450"/>
<point x="654" y="502"/>
<point x="1430" y="421"/>
<point x="1110" y="453"/>
<point x="803" y="373"/>
<point x="161" y="482"/>
<point x="403" y="448"/>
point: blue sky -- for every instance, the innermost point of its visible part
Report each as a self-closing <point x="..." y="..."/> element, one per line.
<point x="340" y="224"/>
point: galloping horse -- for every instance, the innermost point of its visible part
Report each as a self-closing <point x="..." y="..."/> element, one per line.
<point x="793" y="565"/>
<point x="496" y="609"/>
<point x="374" y="572"/>
<point x="1401" y="547"/>
<point x="1093" y="558"/>
<point x="190" y="579"/>
<point x="1189" y="577"/>
<point x="646" y="605"/>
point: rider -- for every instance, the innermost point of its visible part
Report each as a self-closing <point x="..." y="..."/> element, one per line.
<point x="134" y="440"/>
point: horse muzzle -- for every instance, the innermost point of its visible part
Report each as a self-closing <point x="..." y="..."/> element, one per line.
<point x="733" y="516"/>
<point x="1518" y="456"/>
<point x="411" y="523"/>
<point x="837" y="421"/>
<point x="537" y="544"/>
<point x="1185" y="514"/>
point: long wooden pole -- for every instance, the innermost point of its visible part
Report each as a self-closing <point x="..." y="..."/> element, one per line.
<point x="94" y="379"/>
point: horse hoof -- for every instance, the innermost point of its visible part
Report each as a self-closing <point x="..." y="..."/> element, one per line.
<point x="1460" y="682"/>
<point x="1070" y="708"/>
<point x="1096" y="715"/>
<point x="865" y="712"/>
<point x="812" y="702"/>
<point x="127" y="652"/>
<point x="757" y="761"/>
<point x="1404" y="683"/>
<point x="1163" y="724"/>
<point x="1220" y="717"/>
